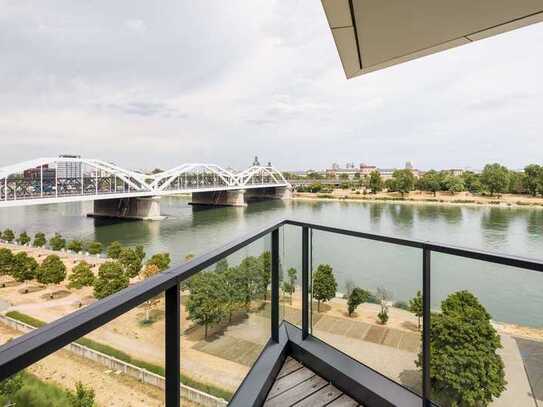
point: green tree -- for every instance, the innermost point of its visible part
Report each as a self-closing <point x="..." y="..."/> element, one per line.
<point x="39" y="240"/>
<point x="10" y="386"/>
<point x="24" y="268"/>
<point x="404" y="180"/>
<point x="221" y="266"/>
<point x="454" y="184"/>
<point x="140" y="252"/>
<point x="81" y="276"/>
<point x="376" y="182"/>
<point x="495" y="178"/>
<point x="517" y="182"/>
<point x="23" y="239"/>
<point x="324" y="284"/>
<point x="234" y="290"/>
<point x="75" y="246"/>
<point x="206" y="303"/>
<point x="94" y="248"/>
<point x="57" y="242"/>
<point x="250" y="283"/>
<point x="264" y="272"/>
<point x="51" y="271"/>
<point x="161" y="260"/>
<point x="415" y="306"/>
<point x="6" y="262"/>
<point x="465" y="368"/>
<point x="130" y="261"/>
<point x="149" y="271"/>
<point x="289" y="285"/>
<point x="111" y="278"/>
<point x="8" y="235"/>
<point x="83" y="396"/>
<point x="358" y="296"/>
<point x="114" y="250"/>
<point x="533" y="179"/>
<point x="430" y="181"/>
<point x="472" y="182"/>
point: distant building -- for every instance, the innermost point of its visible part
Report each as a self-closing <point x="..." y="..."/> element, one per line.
<point x="69" y="169"/>
<point x="366" y="169"/>
<point x="457" y="172"/>
<point x="256" y="163"/>
<point x="36" y="173"/>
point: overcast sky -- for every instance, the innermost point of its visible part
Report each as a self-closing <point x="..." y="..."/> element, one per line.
<point x="158" y="83"/>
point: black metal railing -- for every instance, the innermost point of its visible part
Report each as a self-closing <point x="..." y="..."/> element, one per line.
<point x="25" y="350"/>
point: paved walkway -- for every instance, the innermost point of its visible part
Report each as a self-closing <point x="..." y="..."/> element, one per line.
<point x="532" y="355"/>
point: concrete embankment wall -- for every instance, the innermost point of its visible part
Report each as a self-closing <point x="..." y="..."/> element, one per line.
<point x="144" y="376"/>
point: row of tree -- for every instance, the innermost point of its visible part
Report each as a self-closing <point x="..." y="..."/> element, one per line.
<point x="112" y="275"/>
<point x="494" y="179"/>
<point x="56" y="242"/>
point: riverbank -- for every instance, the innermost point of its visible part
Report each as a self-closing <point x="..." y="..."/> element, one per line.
<point x="462" y="198"/>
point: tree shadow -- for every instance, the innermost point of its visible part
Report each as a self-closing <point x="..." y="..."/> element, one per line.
<point x="412" y="379"/>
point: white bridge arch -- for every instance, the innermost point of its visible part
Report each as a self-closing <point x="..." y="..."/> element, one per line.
<point x="72" y="179"/>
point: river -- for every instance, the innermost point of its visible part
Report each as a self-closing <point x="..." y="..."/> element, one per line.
<point x="514" y="296"/>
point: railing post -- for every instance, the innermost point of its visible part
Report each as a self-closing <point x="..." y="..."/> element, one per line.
<point x="426" y="288"/>
<point x="305" y="282"/>
<point x="275" y="286"/>
<point x="173" y="347"/>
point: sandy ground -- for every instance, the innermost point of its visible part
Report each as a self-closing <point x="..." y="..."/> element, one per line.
<point x="462" y="198"/>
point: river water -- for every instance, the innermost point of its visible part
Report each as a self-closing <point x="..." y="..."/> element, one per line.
<point x="510" y="295"/>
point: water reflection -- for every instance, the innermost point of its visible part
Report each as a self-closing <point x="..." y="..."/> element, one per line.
<point x="451" y="214"/>
<point x="496" y="219"/>
<point x="401" y="214"/>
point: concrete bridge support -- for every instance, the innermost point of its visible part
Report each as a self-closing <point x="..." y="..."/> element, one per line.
<point x="220" y="198"/>
<point x="240" y="197"/>
<point x="263" y="194"/>
<point x="142" y="208"/>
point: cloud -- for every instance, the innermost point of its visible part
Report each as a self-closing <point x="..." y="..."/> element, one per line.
<point x="156" y="84"/>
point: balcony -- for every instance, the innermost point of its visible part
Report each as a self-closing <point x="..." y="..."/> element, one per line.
<point x="305" y="347"/>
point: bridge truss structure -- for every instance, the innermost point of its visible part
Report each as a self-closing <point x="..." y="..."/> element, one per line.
<point x="65" y="179"/>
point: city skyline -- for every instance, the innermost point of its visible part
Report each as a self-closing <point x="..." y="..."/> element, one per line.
<point x="114" y="82"/>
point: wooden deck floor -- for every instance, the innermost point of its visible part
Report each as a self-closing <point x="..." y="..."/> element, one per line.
<point x="296" y="385"/>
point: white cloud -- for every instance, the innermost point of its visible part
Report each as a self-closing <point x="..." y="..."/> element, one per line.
<point x="155" y="84"/>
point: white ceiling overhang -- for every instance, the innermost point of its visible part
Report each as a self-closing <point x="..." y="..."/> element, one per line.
<point x="374" y="34"/>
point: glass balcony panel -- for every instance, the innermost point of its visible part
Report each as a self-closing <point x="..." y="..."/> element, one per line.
<point x="380" y="279"/>
<point x="290" y="274"/>
<point x="121" y="363"/>
<point x="226" y="319"/>
<point x="492" y="316"/>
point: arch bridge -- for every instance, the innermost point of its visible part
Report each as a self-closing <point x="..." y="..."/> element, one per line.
<point x="126" y="193"/>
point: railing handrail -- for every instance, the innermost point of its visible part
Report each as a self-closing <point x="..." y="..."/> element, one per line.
<point x="25" y="350"/>
<point x="489" y="256"/>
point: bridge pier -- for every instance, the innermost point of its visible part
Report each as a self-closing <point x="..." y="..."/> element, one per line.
<point x="240" y="197"/>
<point x="263" y="194"/>
<point x="140" y="208"/>
<point x="219" y="198"/>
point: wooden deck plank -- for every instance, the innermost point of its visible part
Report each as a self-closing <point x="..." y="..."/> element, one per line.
<point x="321" y="398"/>
<point x="343" y="401"/>
<point x="289" y="381"/>
<point x="297" y="393"/>
<point x="290" y="366"/>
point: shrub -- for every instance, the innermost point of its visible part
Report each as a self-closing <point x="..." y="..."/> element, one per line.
<point x="57" y="242"/>
<point x="114" y="250"/>
<point x="8" y="235"/>
<point x="75" y="246"/>
<point x="39" y="240"/>
<point x="94" y="247"/>
<point x="383" y="316"/>
<point x="81" y="276"/>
